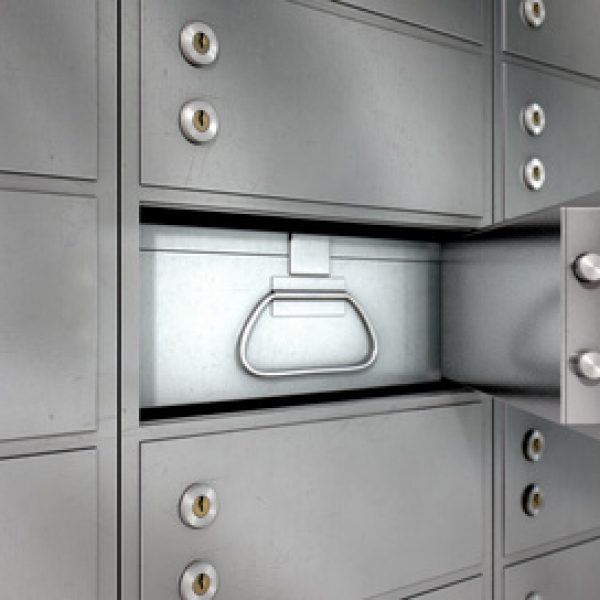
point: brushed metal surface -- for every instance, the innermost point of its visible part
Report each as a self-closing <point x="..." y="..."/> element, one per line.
<point x="567" y="475"/>
<point x="581" y="234"/>
<point x="49" y="525"/>
<point x="196" y="297"/>
<point x="49" y="91"/>
<point x="572" y="573"/>
<point x="316" y="107"/>
<point x="463" y="18"/>
<point x="568" y="148"/>
<point x="346" y="508"/>
<point x="501" y="319"/>
<point x="566" y="38"/>
<point x="48" y="314"/>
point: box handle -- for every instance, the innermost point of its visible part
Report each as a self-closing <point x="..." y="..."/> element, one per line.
<point x="369" y="359"/>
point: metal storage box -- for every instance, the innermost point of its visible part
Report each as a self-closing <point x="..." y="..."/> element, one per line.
<point x="48" y="314"/>
<point x="231" y="314"/>
<point x="559" y="33"/>
<point x="571" y="574"/>
<point x="49" y="525"/>
<point x="307" y="105"/>
<point x="463" y="18"/>
<point x="567" y="141"/>
<point x="565" y="473"/>
<point x="348" y="508"/>
<point x="521" y="310"/>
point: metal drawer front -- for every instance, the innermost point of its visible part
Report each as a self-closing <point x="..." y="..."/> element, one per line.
<point x="49" y="524"/>
<point x="49" y="99"/>
<point x="568" y="37"/>
<point x="345" y="508"/>
<point x="463" y="18"/>
<point x="48" y="314"/>
<point x="199" y="287"/>
<point x="316" y="107"/>
<point x="567" y="473"/>
<point x="568" y="147"/>
<point x="571" y="574"/>
<point x="470" y="590"/>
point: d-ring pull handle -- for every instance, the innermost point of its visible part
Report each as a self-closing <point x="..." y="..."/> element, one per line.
<point x="369" y="359"/>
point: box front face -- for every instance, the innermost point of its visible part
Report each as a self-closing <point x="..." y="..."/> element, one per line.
<point x="568" y="142"/>
<point x="346" y="508"/>
<point x="566" y="473"/>
<point x="571" y="573"/>
<point x="49" y="99"/>
<point x="455" y="17"/>
<point x="564" y="35"/>
<point x="312" y="106"/>
<point x="197" y="296"/>
<point x="49" y="524"/>
<point x="48" y="314"/>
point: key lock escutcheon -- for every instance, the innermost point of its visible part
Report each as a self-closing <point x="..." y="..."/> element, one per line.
<point x="199" y="44"/>
<point x="533" y="500"/>
<point x="199" y="580"/>
<point x="533" y="119"/>
<point x="534" y="444"/>
<point x="533" y="13"/>
<point x="198" y="506"/>
<point x="534" y="596"/>
<point x="534" y="174"/>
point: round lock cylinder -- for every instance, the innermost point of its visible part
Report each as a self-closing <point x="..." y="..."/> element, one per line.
<point x="199" y="122"/>
<point x="198" y="506"/>
<point x="533" y="13"/>
<point x="587" y="365"/>
<point x="534" y="445"/>
<point x="533" y="500"/>
<point x="534" y="174"/>
<point x="199" y="44"/>
<point x="533" y="118"/>
<point x="587" y="267"/>
<point x="199" y="580"/>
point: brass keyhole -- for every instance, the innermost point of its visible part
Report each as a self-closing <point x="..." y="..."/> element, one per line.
<point x="537" y="118"/>
<point x="537" y="173"/>
<point x="536" y="501"/>
<point x="201" y="506"/>
<point x="537" y="9"/>
<point x="201" y="43"/>
<point x="201" y="121"/>
<point x="201" y="584"/>
<point x="537" y="445"/>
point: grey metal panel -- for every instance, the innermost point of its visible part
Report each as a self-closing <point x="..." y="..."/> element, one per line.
<point x="567" y="473"/>
<point x="316" y="107"/>
<point x="49" y="92"/>
<point x="463" y="18"/>
<point x="48" y="314"/>
<point x="581" y="328"/>
<point x="568" y="147"/>
<point x="469" y="590"/>
<point x="568" y="38"/>
<point x="49" y="524"/>
<point x="195" y="304"/>
<point x="571" y="573"/>
<point x="347" y="508"/>
<point x="501" y="315"/>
